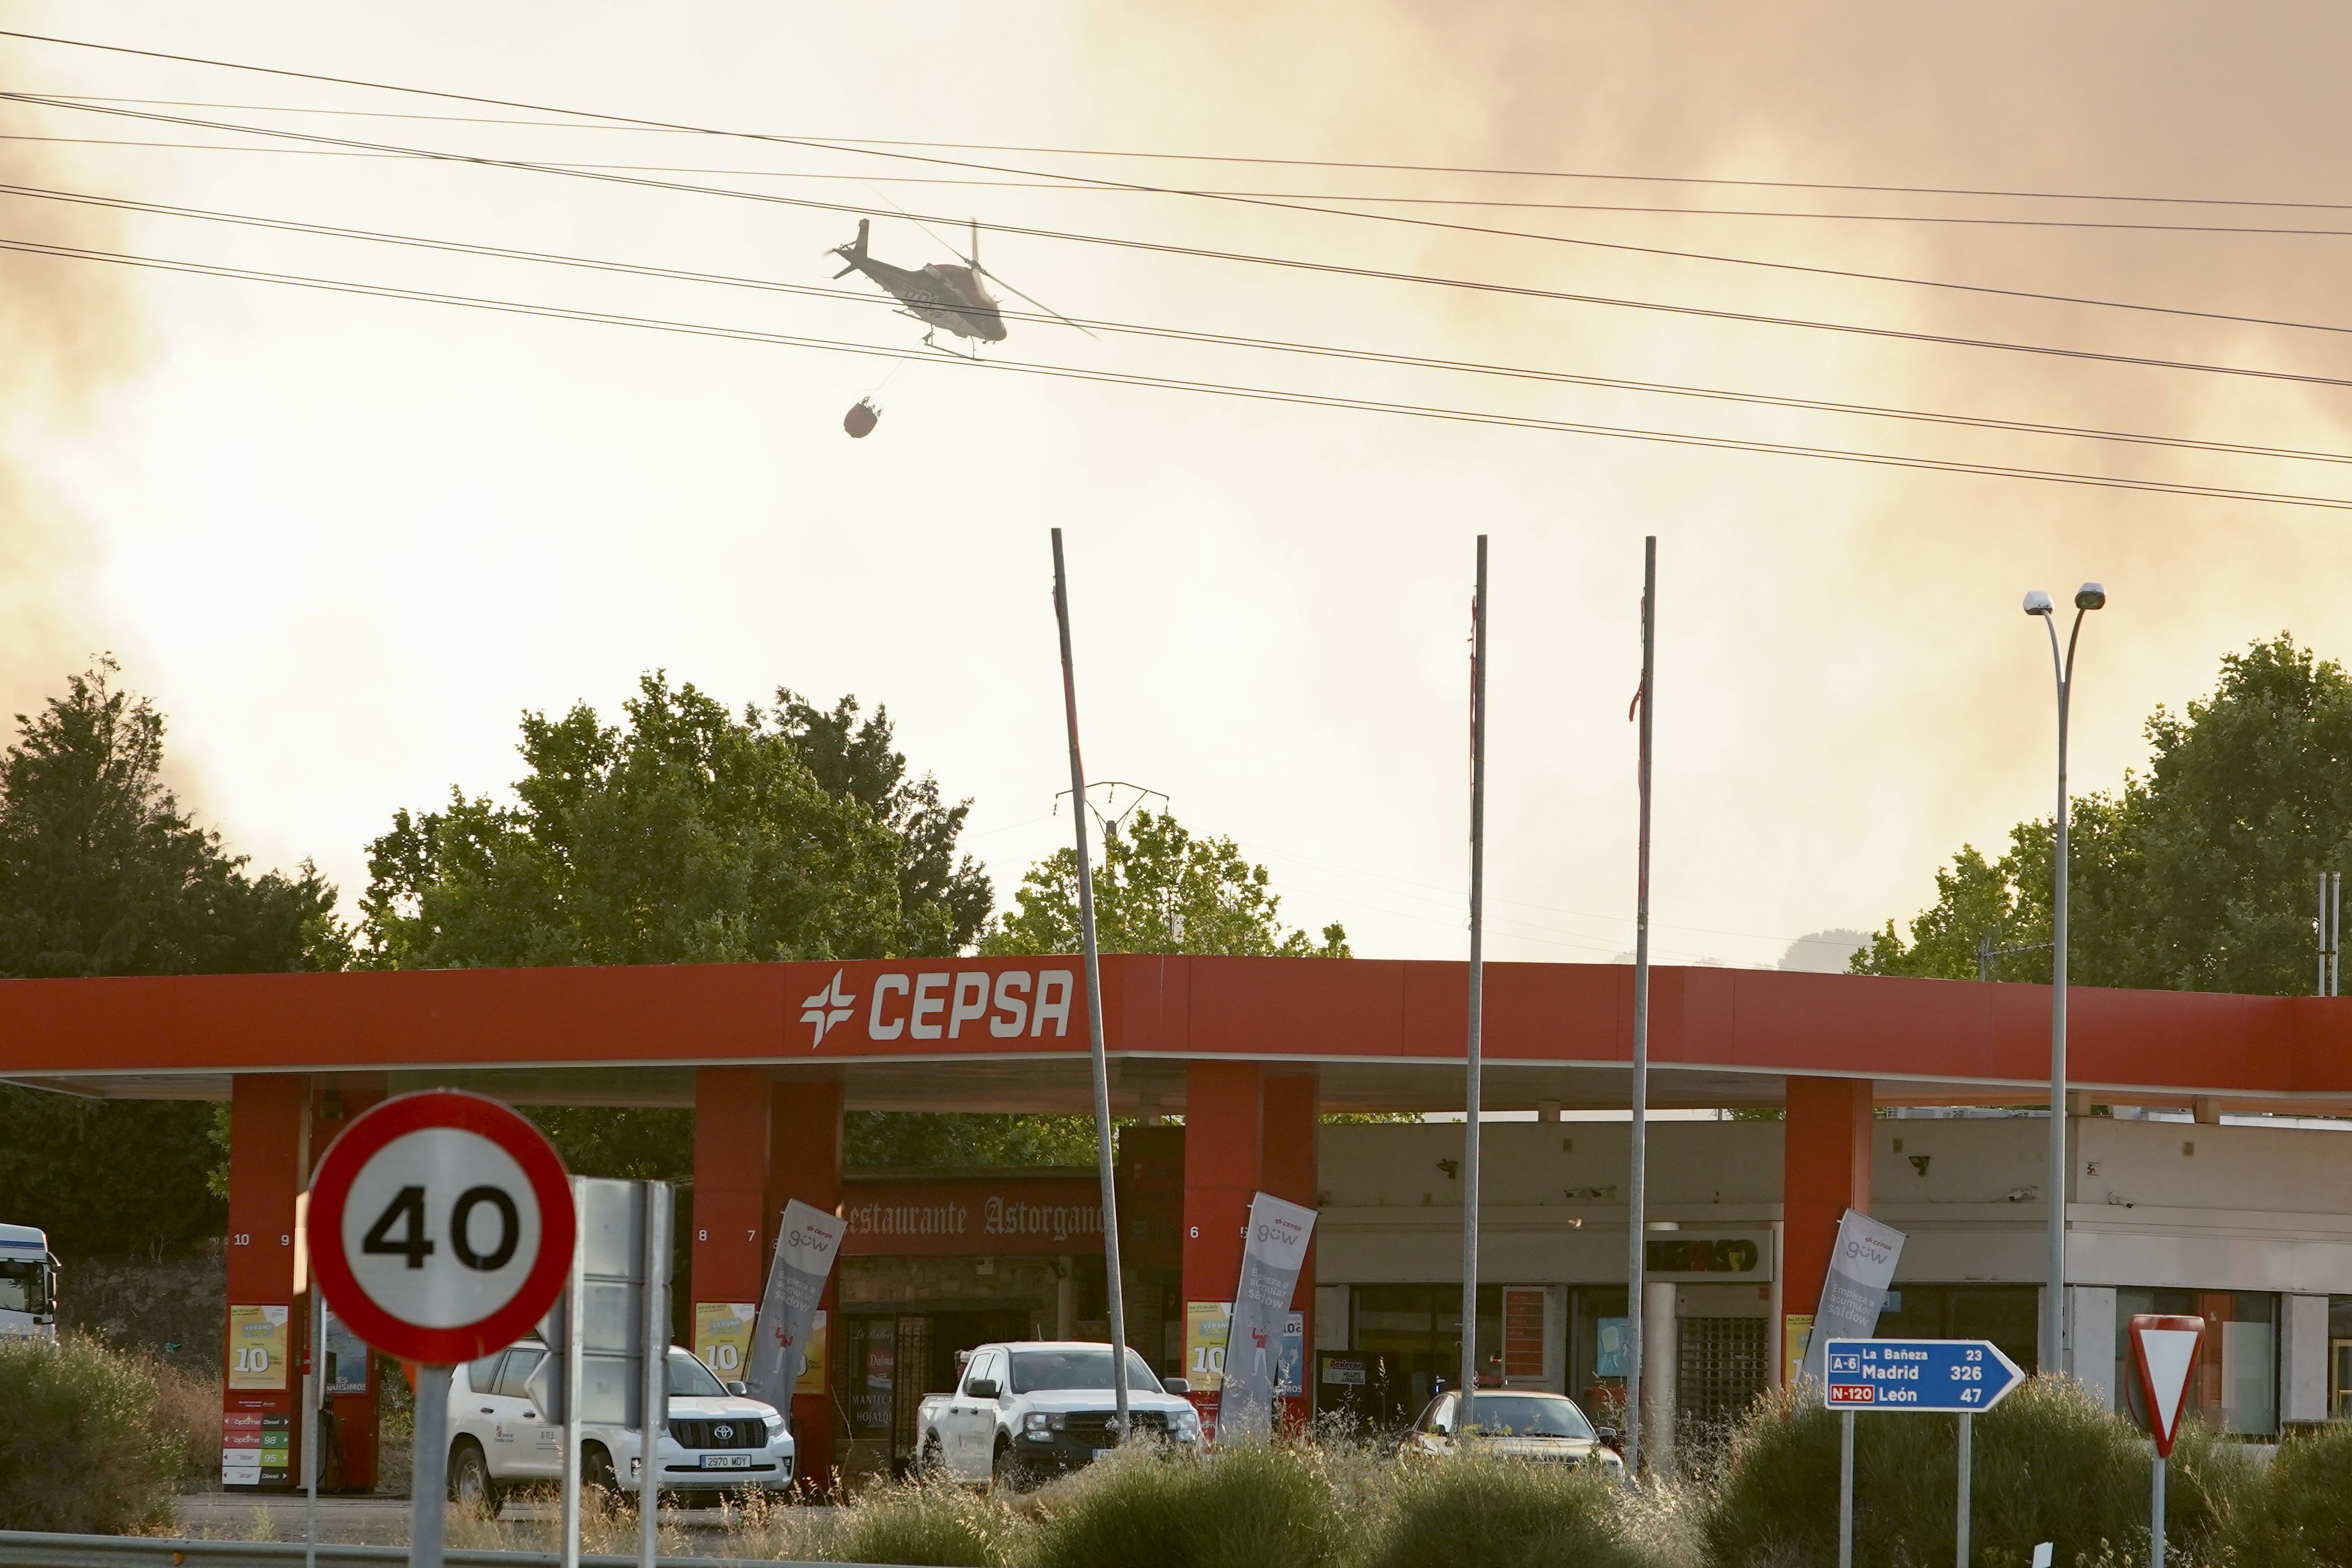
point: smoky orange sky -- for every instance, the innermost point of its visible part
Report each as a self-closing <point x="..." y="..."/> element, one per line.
<point x="345" y="541"/>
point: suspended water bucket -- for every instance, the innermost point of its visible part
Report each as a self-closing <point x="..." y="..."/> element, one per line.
<point x="861" y="418"/>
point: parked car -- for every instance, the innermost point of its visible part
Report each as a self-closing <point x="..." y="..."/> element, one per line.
<point x="1029" y="1409"/>
<point x="1548" y="1429"/>
<point x="719" y="1440"/>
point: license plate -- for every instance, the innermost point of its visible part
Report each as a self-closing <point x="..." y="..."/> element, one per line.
<point x="726" y="1461"/>
<point x="1104" y="1453"/>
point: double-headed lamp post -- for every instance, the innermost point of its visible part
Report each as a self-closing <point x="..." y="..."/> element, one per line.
<point x="2088" y="597"/>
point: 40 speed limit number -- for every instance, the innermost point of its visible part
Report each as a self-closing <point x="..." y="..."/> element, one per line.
<point x="441" y="1226"/>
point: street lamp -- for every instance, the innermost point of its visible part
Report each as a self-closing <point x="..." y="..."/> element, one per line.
<point x="2088" y="597"/>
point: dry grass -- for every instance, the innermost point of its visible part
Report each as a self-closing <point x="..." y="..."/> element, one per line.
<point x="80" y="1448"/>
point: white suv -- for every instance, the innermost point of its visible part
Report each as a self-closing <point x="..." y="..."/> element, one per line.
<point x="719" y="1440"/>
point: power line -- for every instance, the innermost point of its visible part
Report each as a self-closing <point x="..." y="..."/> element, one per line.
<point x="887" y="150"/>
<point x="607" y="122"/>
<point x="1334" y="268"/>
<point x="1066" y="187"/>
<point x="1178" y="384"/>
<point x="1179" y="335"/>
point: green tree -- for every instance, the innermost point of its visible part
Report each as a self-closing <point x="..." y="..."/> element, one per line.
<point x="2200" y="873"/>
<point x="1159" y="890"/>
<point x="687" y="835"/>
<point x="101" y="873"/>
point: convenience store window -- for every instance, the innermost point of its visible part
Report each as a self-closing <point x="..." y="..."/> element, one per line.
<point x="2234" y="1386"/>
<point x="2005" y="1314"/>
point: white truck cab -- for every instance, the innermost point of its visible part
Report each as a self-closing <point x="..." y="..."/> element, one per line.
<point x="719" y="1440"/>
<point x="1026" y="1410"/>
<point x="28" y="1284"/>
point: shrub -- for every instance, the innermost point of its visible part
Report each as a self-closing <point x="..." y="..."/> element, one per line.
<point x="1503" y="1513"/>
<point x="2048" y="1465"/>
<point x="1256" y="1505"/>
<point x="932" y="1526"/>
<point x="78" y="1448"/>
<point x="2304" y="1520"/>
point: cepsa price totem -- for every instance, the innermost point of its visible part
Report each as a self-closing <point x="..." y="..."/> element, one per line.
<point x="441" y="1229"/>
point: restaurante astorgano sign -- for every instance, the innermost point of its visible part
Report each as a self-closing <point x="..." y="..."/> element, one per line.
<point x="976" y="1218"/>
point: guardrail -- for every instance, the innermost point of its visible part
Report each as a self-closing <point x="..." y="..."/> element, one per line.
<point x="39" y="1548"/>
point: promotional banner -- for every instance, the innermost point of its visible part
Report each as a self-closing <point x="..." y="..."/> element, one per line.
<point x="1206" y="1326"/>
<point x="1271" y="1259"/>
<point x="1862" y="1266"/>
<point x="257" y="1346"/>
<point x="805" y="1249"/>
<point x="722" y="1336"/>
<point x="347" y="1359"/>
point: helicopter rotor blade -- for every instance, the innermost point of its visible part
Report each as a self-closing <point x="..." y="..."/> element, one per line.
<point x="919" y="223"/>
<point x="1033" y="300"/>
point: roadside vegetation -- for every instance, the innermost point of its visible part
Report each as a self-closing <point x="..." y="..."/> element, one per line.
<point x="92" y="1439"/>
<point x="2049" y="1466"/>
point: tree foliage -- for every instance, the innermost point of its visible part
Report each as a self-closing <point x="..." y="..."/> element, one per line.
<point x="2200" y="874"/>
<point x="687" y="836"/>
<point x="101" y="873"/>
<point x="1159" y="890"/>
<point x="688" y="833"/>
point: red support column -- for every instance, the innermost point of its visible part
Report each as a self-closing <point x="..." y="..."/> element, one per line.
<point x="268" y="1164"/>
<point x="805" y="1162"/>
<point x="1223" y="1134"/>
<point x="349" y="1459"/>
<point x="1287" y="1155"/>
<point x="1825" y="1170"/>
<point x="730" y="1178"/>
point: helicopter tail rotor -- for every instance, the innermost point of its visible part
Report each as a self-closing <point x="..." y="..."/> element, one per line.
<point x="855" y="251"/>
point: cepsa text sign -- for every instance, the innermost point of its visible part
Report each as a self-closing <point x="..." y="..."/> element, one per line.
<point x="1949" y="1376"/>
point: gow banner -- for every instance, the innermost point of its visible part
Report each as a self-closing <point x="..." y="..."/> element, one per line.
<point x="1272" y="1259"/>
<point x="805" y="1249"/>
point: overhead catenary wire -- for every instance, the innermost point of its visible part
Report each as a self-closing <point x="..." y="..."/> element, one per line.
<point x="1256" y="393"/>
<point x="1489" y="171"/>
<point x="881" y="150"/>
<point x="1512" y="291"/>
<point x="1066" y="187"/>
<point x="1290" y="346"/>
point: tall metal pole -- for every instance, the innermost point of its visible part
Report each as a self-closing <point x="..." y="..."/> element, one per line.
<point x="2320" y="986"/>
<point x="1470" y="1095"/>
<point x="573" y="1309"/>
<point x="428" y="1485"/>
<point x="1637" y="1185"/>
<point x="1967" y="1457"/>
<point x="653" y="1419"/>
<point x="314" y="1383"/>
<point x="1845" y="1488"/>
<point x="2155" y="1525"/>
<point x="1103" y="1155"/>
<point x="2053" y="1295"/>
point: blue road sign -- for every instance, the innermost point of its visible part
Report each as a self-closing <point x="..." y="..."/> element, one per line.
<point x="1947" y="1376"/>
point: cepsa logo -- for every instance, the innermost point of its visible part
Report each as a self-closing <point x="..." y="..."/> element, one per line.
<point x="934" y="1005"/>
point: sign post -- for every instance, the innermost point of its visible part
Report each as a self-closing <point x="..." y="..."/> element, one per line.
<point x="441" y="1228"/>
<point x="1951" y="1377"/>
<point x="2164" y="1349"/>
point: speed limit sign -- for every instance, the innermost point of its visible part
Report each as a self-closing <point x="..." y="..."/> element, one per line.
<point x="441" y="1226"/>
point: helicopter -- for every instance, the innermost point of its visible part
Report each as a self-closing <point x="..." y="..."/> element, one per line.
<point x="942" y="294"/>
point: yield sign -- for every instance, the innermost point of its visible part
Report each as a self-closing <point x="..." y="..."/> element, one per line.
<point x="2165" y="1350"/>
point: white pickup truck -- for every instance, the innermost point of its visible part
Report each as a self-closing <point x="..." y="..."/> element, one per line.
<point x="1024" y="1411"/>
<point x="719" y="1442"/>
